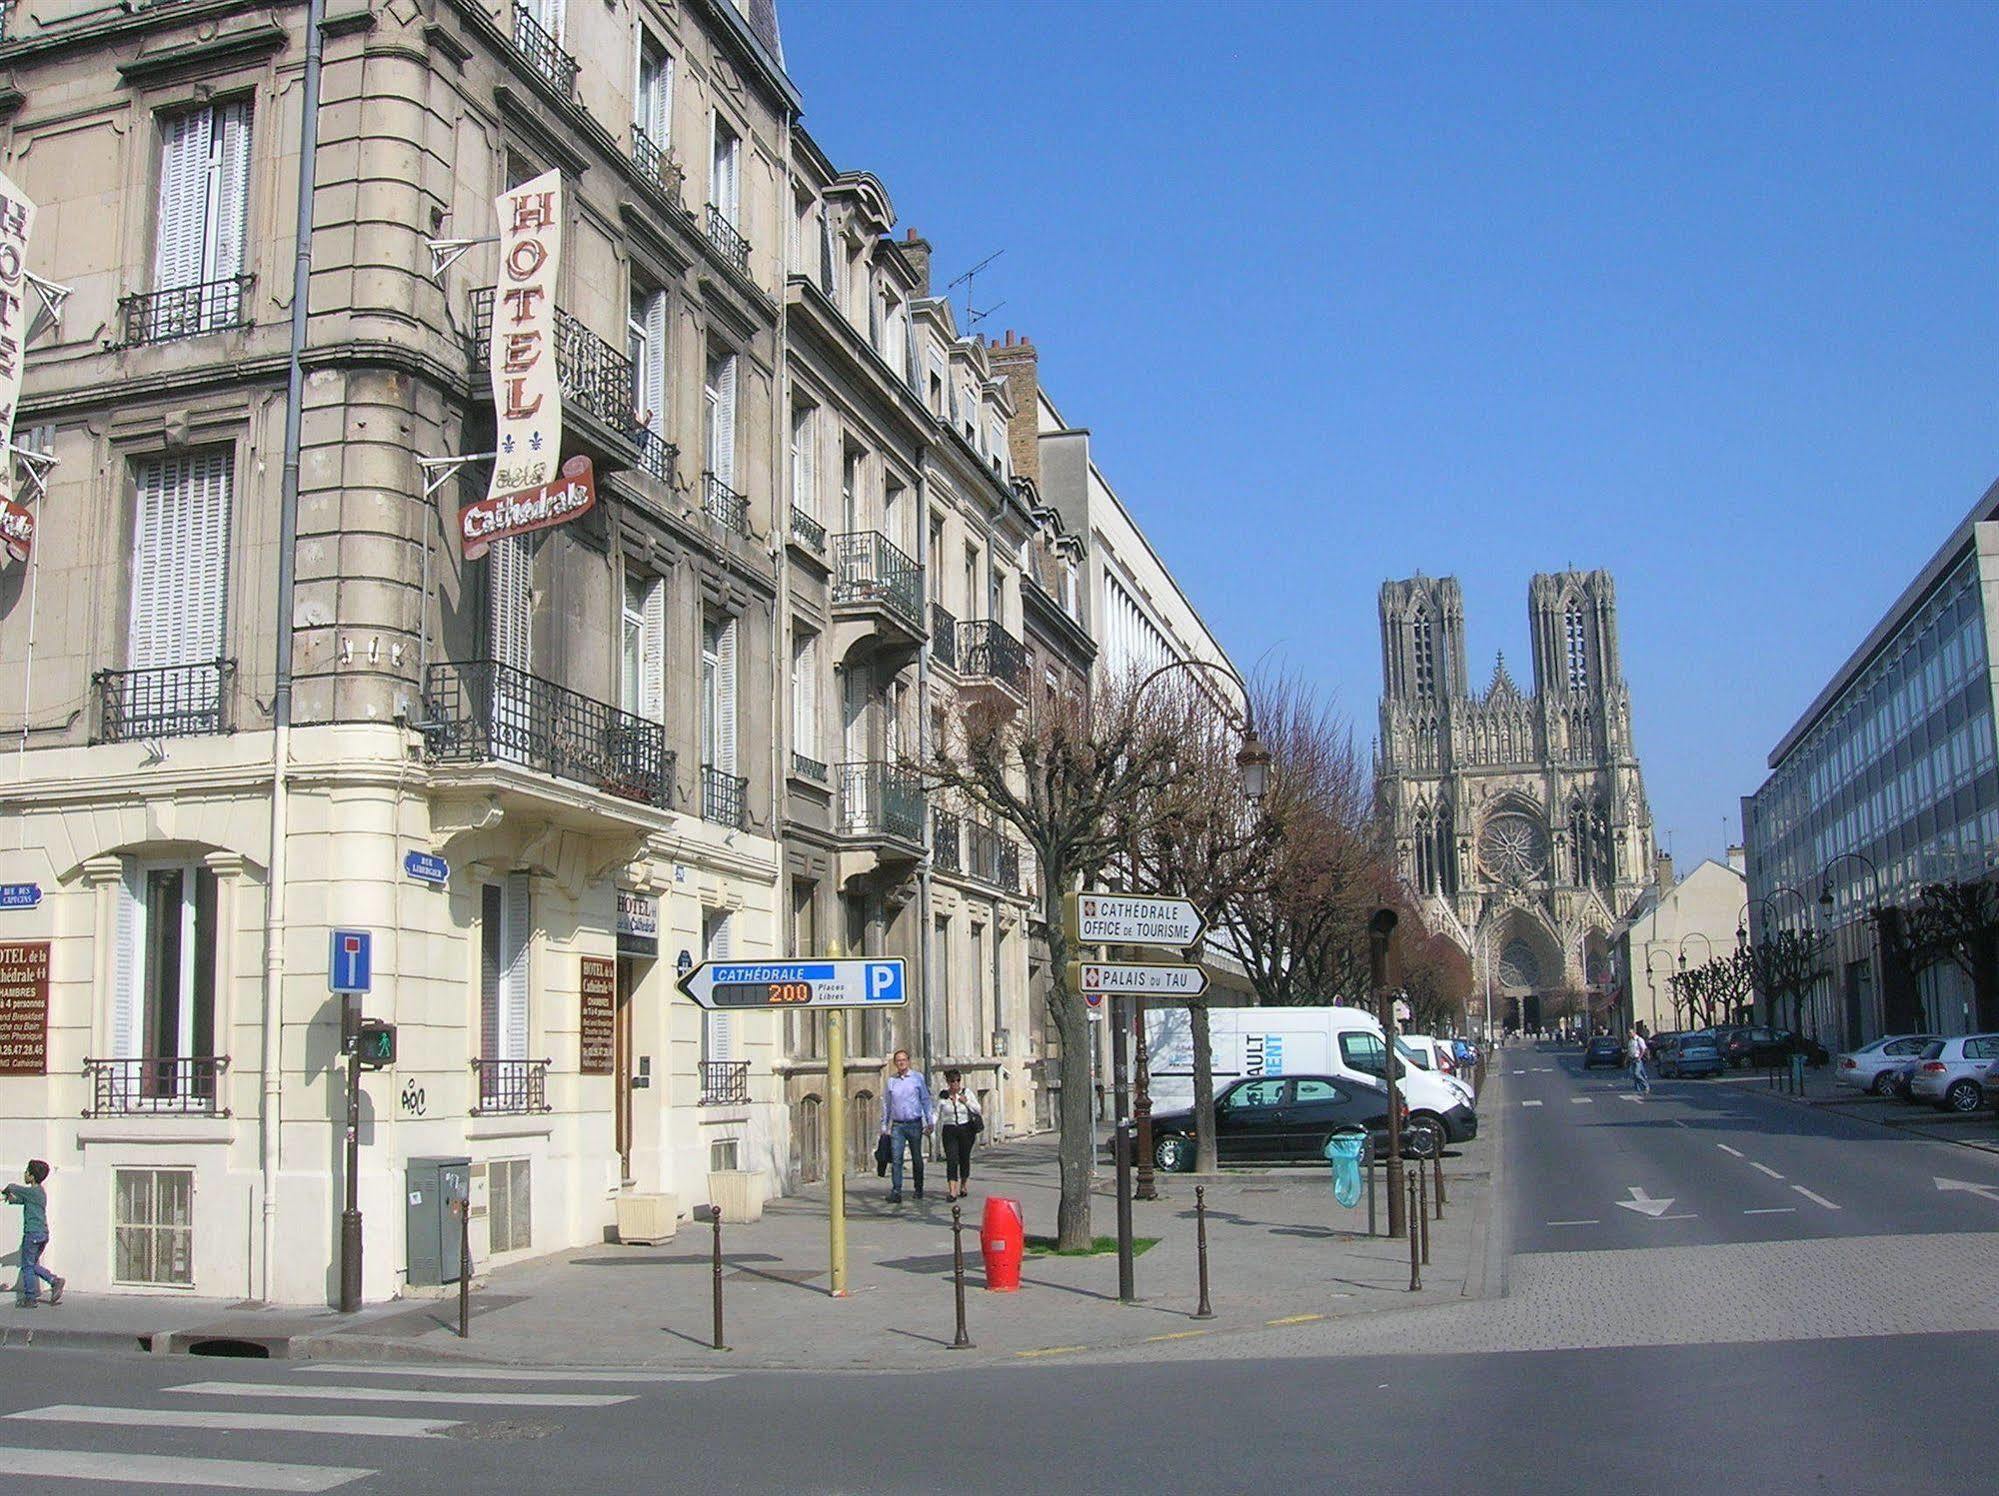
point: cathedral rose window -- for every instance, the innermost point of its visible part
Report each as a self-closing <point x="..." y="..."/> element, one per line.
<point x="1512" y="847"/>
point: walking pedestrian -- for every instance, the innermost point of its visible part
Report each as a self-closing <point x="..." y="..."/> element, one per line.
<point x="34" y="1203"/>
<point x="960" y="1121"/>
<point x="1638" y="1049"/>
<point x="908" y="1114"/>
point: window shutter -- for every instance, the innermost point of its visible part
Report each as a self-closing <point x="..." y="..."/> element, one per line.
<point x="229" y="199"/>
<point x="725" y="421"/>
<point x="655" y="363"/>
<point x="183" y="221"/>
<point x="722" y="1025"/>
<point x="492" y="961"/>
<point x="127" y="974"/>
<point x="514" y="989"/>
<point x="652" y="654"/>
<point x="807" y="474"/>
<point x="828" y="282"/>
<point x="725" y="699"/>
<point x="807" y="707"/>
<point x="180" y="561"/>
<point x="512" y="613"/>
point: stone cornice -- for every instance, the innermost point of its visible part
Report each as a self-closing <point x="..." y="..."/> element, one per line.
<point x="196" y="59"/>
<point x="115" y="21"/>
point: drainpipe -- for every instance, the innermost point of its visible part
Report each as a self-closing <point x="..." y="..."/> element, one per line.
<point x="281" y="699"/>
<point x="925" y="955"/>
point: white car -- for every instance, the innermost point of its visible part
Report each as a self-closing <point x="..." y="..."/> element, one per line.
<point x="1438" y="1057"/>
<point x="1871" y="1067"/>
<point x="1950" y="1074"/>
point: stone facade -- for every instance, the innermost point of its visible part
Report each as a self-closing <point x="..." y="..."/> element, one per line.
<point x="1519" y="818"/>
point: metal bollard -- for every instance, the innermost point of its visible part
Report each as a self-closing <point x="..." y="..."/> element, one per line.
<point x="1201" y="1246"/>
<point x="1370" y="1188"/>
<point x="963" y="1342"/>
<point x="1420" y="1222"/>
<point x="1437" y="1169"/>
<point x="1415" y="1269"/>
<point x="464" y="1209"/>
<point x="715" y="1219"/>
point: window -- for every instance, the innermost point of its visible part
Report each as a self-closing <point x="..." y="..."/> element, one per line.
<point x="204" y="201"/>
<point x="153" y="1227"/>
<point x="1576" y="647"/>
<point x="850" y="490"/>
<point x="1318" y="1090"/>
<point x="652" y="100"/>
<point x="892" y="496"/>
<point x="805" y="459"/>
<point x="645" y="342"/>
<point x="509" y="1198"/>
<point x="971" y="581"/>
<point x="642" y="684"/>
<point x="504" y="929"/>
<point x="162" y="1039"/>
<point x="1426" y="659"/>
<point x="1365" y="1052"/>
<point x="718" y="694"/>
<point x="180" y="566"/>
<point x="805" y="692"/>
<point x="996" y="449"/>
<point x="1258" y="1093"/>
<point x="936" y="553"/>
<point x="718" y="394"/>
<point x="725" y="178"/>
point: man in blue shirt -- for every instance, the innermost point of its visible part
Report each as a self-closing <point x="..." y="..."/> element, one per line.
<point x="907" y="1116"/>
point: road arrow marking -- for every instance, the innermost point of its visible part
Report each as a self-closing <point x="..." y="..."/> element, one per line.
<point x="1644" y="1204"/>
<point x="1990" y="1192"/>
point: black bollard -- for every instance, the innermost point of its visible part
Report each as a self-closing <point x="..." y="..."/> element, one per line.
<point x="1415" y="1270"/>
<point x="1421" y="1220"/>
<point x="715" y="1219"/>
<point x="464" y="1209"/>
<point x="963" y="1341"/>
<point x="1437" y="1169"/>
<point x="1201" y="1246"/>
<point x="1370" y="1188"/>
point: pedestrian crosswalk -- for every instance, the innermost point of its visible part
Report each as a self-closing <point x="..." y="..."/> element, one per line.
<point x="306" y="1403"/>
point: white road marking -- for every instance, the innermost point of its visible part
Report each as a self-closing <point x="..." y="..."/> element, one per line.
<point x="1530" y="1103"/>
<point x="1685" y="1215"/>
<point x="1644" y="1204"/>
<point x="249" y="1423"/>
<point x="1815" y="1199"/>
<point x="1544" y="1070"/>
<point x="1985" y="1191"/>
<point x="1630" y="1096"/>
<point x="506" y="1373"/>
<point x="1516" y="1072"/>
<point x="1731" y="1152"/>
<point x="175" y="1470"/>
<point x="1581" y="1100"/>
<point x="409" y="1394"/>
<point x="1575" y="1223"/>
<point x="1764" y="1169"/>
<point x="1773" y="1210"/>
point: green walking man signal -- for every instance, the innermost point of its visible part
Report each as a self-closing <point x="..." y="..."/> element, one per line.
<point x="372" y="1041"/>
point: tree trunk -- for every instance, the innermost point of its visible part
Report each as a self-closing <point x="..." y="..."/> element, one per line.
<point x="1077" y="1142"/>
<point x="1985" y="978"/>
<point x="1206" y="1158"/>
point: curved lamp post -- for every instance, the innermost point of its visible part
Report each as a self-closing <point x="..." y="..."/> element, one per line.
<point x="1826" y="901"/>
<point x="1253" y="758"/>
<point x="1652" y="984"/>
<point x="1690" y="935"/>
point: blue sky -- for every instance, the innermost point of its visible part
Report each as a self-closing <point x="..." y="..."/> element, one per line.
<point x="1701" y="294"/>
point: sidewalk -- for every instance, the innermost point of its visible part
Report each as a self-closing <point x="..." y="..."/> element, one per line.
<point x="1978" y="1129"/>
<point x="1281" y="1251"/>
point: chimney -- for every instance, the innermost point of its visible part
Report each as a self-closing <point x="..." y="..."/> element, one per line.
<point x="1662" y="872"/>
<point x="1738" y="859"/>
<point x="917" y="251"/>
<point x="1014" y="361"/>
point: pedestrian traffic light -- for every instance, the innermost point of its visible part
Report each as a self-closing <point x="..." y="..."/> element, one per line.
<point x="376" y="1045"/>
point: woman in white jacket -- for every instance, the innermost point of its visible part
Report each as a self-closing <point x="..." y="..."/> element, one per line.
<point x="960" y="1122"/>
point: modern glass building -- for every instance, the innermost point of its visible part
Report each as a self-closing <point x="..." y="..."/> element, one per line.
<point x="1887" y="782"/>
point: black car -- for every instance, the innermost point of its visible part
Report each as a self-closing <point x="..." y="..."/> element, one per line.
<point x="1760" y="1046"/>
<point x="1283" y="1118"/>
<point x="1603" y="1050"/>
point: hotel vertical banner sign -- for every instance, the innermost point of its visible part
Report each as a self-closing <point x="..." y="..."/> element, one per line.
<point x="527" y="394"/>
<point x="17" y="223"/>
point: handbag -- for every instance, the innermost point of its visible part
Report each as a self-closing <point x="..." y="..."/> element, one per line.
<point x="881" y="1154"/>
<point x="977" y="1124"/>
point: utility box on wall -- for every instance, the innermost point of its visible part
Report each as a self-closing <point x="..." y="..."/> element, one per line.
<point x="432" y="1236"/>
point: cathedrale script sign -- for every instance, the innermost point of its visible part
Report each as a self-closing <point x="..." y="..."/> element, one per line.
<point x="17" y="222"/>
<point x="527" y="393"/>
<point x="484" y="521"/>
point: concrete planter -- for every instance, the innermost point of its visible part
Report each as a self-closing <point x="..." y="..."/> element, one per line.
<point x="644" y="1220"/>
<point x="737" y="1193"/>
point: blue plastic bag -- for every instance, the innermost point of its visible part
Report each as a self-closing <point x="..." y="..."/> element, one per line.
<point x="1345" y="1150"/>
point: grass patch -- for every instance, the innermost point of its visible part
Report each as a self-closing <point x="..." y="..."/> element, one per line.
<point x="1044" y="1246"/>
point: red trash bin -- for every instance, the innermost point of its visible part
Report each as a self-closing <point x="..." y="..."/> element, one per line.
<point x="1002" y="1236"/>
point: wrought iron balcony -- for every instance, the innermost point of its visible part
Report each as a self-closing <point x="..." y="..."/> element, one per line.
<point x="482" y="710"/>
<point x="176" y="1085"/>
<point x="868" y="569"/>
<point x="946" y="851"/>
<point x="724" y="505"/>
<point x="593" y="374"/>
<point x="724" y="797"/>
<point x="725" y="1083"/>
<point x="543" y="54"/>
<point x="808" y="768"/>
<point x="807" y="531"/>
<point x="881" y="799"/>
<point x="1009" y="865"/>
<point x="725" y="236"/>
<point x="658" y="456"/>
<point x="982" y="852"/>
<point x="987" y="651"/>
<point x="176" y="312"/>
<point x="167" y="701"/>
<point x="656" y="165"/>
<point x="943" y="636"/>
<point x="511" y="1087"/>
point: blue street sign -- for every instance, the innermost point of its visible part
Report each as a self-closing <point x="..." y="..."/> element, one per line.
<point x="796" y="984"/>
<point x="425" y="868"/>
<point x="20" y="895"/>
<point x="351" y="965"/>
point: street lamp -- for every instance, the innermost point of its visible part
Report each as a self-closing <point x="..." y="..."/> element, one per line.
<point x="1825" y="879"/>
<point x="1253" y="759"/>
<point x="1690" y="935"/>
<point x="1652" y="984"/>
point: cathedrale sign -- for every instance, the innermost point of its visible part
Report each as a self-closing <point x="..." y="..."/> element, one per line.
<point x="17" y="222"/>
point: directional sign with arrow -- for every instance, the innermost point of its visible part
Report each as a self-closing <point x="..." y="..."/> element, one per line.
<point x="797" y="984"/>
<point x="1137" y="979"/>
<point x="1986" y="1191"/>
<point x="1644" y="1204"/>
<point x="1131" y="919"/>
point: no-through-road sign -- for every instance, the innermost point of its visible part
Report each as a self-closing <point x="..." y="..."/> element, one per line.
<point x="1131" y="919"/>
<point x="797" y="984"/>
<point x="1134" y="979"/>
<point x="350" y="964"/>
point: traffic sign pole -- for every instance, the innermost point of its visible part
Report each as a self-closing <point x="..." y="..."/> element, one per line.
<point x="350" y="1217"/>
<point x="836" y="1150"/>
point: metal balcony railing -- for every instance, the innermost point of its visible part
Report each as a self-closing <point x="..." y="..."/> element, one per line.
<point x="175" y="1085"/>
<point x="593" y="374"/>
<point x="724" y="797"/>
<point x="982" y="852"/>
<point x="658" y="456"/>
<point x="725" y="236"/>
<point x="1009" y="865"/>
<point x="943" y="636"/>
<point x="869" y="569"/>
<point x="808" y="768"/>
<point x="986" y="650"/>
<point x="807" y="531"/>
<point x="725" y="1082"/>
<point x="167" y="701"/>
<point x="511" y="1087"/>
<point x="481" y="710"/>
<point x="543" y="54"/>
<point x="656" y="165"/>
<point x="175" y="312"/>
<point x="946" y="852"/>
<point x="881" y="799"/>
<point x="724" y="505"/>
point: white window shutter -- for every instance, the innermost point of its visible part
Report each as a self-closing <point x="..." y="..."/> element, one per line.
<point x="725" y="421"/>
<point x="515" y="941"/>
<point x="128" y="970"/>
<point x="722" y="1026"/>
<point x="180" y="561"/>
<point x="655" y="363"/>
<point x="229" y="201"/>
<point x="725" y="698"/>
<point x="512" y="611"/>
<point x="207" y="581"/>
<point x="652" y="653"/>
<point x="183" y="222"/>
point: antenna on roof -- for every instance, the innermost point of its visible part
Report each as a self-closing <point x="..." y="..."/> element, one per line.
<point x="975" y="315"/>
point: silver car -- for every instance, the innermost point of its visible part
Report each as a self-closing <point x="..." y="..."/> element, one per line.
<point x="1871" y="1068"/>
<point x="1950" y="1074"/>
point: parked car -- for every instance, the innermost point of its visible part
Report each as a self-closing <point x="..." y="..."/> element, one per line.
<point x="1604" y="1049"/>
<point x="1760" y="1046"/>
<point x="1951" y="1073"/>
<point x="1691" y="1054"/>
<point x="1872" y="1067"/>
<point x="1281" y="1118"/>
<point x="1991" y="1084"/>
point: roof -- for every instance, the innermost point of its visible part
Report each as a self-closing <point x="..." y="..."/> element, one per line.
<point x="1939" y="565"/>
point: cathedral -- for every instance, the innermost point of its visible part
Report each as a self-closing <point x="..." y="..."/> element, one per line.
<point x="1519" y="818"/>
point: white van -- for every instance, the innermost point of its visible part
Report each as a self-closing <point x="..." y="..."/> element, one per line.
<point x="1294" y="1041"/>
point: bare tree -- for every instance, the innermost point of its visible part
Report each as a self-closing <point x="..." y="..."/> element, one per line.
<point x="1959" y="922"/>
<point x="1436" y="978"/>
<point x="1787" y="965"/>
